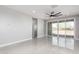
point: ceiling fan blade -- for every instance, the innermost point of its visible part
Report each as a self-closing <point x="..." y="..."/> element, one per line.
<point x="57" y="13"/>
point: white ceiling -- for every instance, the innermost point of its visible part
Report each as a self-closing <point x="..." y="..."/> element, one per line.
<point x="39" y="11"/>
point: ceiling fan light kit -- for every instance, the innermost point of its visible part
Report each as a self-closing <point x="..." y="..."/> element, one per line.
<point x="54" y="14"/>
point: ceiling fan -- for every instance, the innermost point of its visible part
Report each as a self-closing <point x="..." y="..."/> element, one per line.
<point x="54" y="14"/>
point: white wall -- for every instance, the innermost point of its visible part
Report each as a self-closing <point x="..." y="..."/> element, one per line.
<point x="14" y="26"/>
<point x="40" y="28"/>
<point x="77" y="28"/>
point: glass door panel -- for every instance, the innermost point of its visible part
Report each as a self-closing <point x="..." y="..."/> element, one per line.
<point x="70" y="28"/>
<point x="70" y="34"/>
<point x="61" y="34"/>
<point x="54" y="29"/>
<point x="55" y="40"/>
<point x="61" y="41"/>
<point x="55" y="33"/>
<point x="50" y="28"/>
<point x="61" y="28"/>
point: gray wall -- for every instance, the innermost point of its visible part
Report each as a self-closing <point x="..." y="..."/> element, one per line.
<point x="77" y="28"/>
<point x="14" y="26"/>
<point x="40" y="28"/>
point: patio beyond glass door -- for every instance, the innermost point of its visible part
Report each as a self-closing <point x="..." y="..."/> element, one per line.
<point x="63" y="28"/>
<point x="69" y="28"/>
<point x="62" y="31"/>
<point x="54" y="28"/>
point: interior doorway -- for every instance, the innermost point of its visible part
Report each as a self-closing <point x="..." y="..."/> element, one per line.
<point x="34" y="28"/>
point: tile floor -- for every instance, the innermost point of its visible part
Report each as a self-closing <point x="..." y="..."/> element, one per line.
<point x="46" y="45"/>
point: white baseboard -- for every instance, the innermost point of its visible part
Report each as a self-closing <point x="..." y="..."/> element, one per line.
<point x="11" y="43"/>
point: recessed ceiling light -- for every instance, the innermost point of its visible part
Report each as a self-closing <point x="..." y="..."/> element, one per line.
<point x="34" y="11"/>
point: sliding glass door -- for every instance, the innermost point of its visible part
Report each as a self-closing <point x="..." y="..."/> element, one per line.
<point x="62" y="33"/>
<point x="63" y="28"/>
<point x="55" y="32"/>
